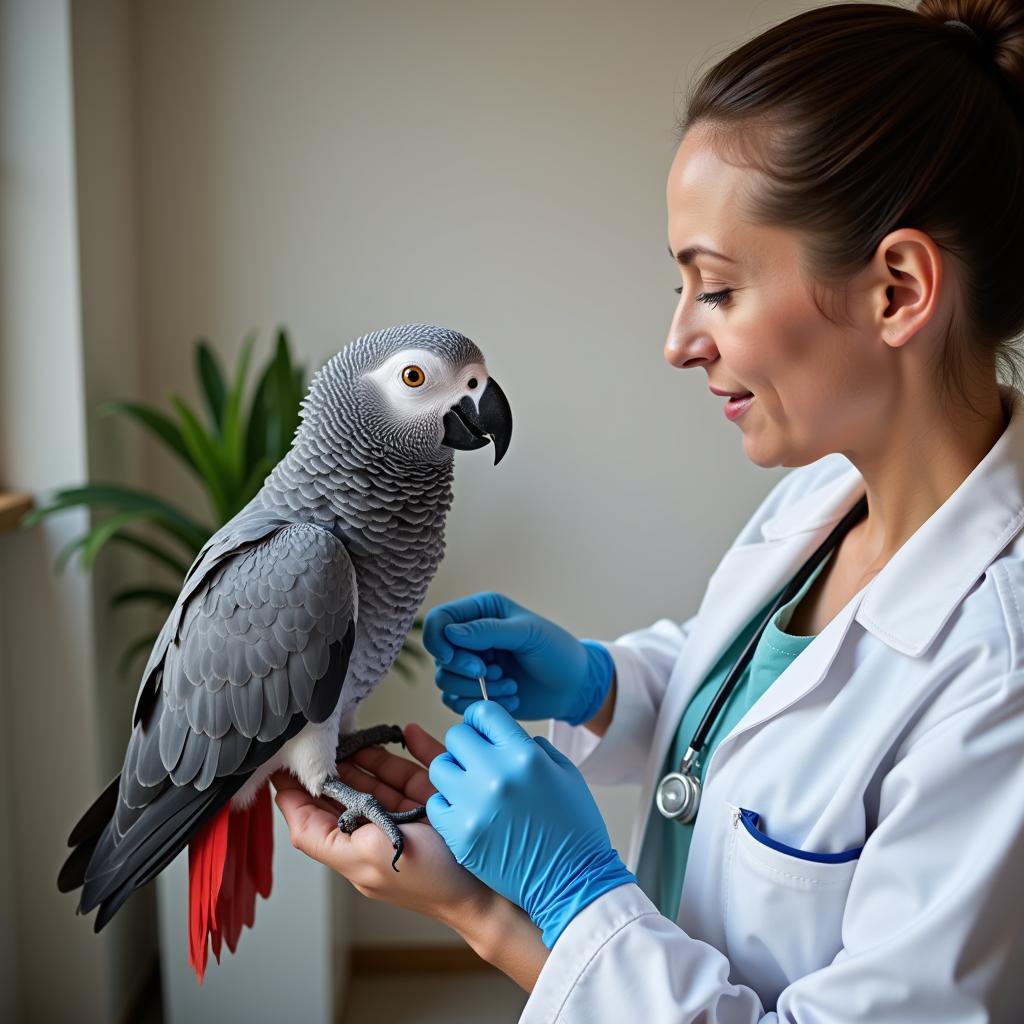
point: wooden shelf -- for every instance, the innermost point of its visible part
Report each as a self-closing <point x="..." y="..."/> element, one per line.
<point x="13" y="505"/>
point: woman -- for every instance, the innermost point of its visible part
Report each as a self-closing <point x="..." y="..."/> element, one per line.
<point x="845" y="211"/>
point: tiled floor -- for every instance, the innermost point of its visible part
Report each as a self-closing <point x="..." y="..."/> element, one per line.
<point x="470" y="997"/>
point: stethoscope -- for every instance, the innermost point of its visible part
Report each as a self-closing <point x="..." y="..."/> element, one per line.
<point x="678" y="794"/>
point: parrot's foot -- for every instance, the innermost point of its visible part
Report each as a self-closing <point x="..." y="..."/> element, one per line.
<point x="360" y="808"/>
<point x="372" y="737"/>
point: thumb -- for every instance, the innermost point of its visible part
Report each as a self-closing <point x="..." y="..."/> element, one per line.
<point x="480" y="634"/>
<point x="494" y="723"/>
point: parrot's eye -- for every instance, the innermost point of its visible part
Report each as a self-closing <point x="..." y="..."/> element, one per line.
<point x="413" y="376"/>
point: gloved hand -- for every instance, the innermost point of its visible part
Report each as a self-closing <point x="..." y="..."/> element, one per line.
<point x="534" y="668"/>
<point x="517" y="814"/>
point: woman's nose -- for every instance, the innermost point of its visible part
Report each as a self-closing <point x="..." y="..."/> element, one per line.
<point x="686" y="347"/>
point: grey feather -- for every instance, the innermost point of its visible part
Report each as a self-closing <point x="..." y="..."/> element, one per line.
<point x="191" y="759"/>
<point x="173" y="730"/>
<point x="247" y="707"/>
<point x="233" y="748"/>
<point x="276" y="692"/>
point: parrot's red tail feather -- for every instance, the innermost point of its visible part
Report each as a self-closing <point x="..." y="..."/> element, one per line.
<point x="229" y="862"/>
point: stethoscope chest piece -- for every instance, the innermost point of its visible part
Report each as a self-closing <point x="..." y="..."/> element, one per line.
<point x="678" y="797"/>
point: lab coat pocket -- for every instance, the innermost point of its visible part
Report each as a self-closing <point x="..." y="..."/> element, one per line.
<point x="783" y="906"/>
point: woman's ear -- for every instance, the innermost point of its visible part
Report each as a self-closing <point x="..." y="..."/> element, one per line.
<point x="908" y="284"/>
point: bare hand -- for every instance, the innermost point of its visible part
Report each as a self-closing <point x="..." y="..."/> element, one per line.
<point x="429" y="880"/>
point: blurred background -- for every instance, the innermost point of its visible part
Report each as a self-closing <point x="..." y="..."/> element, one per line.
<point x="217" y="169"/>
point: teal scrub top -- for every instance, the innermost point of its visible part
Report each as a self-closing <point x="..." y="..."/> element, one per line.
<point x="774" y="652"/>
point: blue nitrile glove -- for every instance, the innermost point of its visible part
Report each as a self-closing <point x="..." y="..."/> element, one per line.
<point x="534" y="668"/>
<point x="517" y="814"/>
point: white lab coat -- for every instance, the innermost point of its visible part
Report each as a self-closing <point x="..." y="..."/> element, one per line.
<point x="898" y="730"/>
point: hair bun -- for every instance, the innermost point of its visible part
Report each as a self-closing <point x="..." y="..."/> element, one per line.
<point x="997" y="24"/>
<point x="997" y="27"/>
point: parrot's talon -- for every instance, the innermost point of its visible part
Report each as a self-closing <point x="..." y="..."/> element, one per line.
<point x="361" y="808"/>
<point x="349" y="821"/>
<point x="375" y="736"/>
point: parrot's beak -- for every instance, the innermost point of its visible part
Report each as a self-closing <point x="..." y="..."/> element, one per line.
<point x="468" y="425"/>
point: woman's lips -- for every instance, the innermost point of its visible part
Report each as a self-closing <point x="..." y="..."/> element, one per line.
<point x="736" y="407"/>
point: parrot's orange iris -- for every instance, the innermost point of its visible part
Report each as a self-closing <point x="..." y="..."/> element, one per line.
<point x="413" y="376"/>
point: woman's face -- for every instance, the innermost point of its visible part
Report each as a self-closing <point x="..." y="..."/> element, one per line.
<point x="816" y="384"/>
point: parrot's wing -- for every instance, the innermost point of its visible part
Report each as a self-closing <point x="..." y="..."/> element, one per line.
<point x="252" y="524"/>
<point x="261" y="648"/>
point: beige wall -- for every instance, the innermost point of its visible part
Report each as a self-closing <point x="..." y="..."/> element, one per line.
<point x="208" y="166"/>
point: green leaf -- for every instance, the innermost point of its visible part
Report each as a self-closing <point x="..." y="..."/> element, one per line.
<point x="157" y="595"/>
<point x="211" y="377"/>
<point x="209" y="460"/>
<point x="233" y="429"/>
<point x="163" y="427"/>
<point x="286" y="402"/>
<point x="93" y="541"/>
<point x="65" y="554"/>
<point x="260" y="427"/>
<point x="32" y="517"/>
<point x="144" y="643"/>
<point x="174" y="521"/>
<point x="162" y="555"/>
<point x="105" y="531"/>
<point x="254" y="481"/>
<point x="178" y="567"/>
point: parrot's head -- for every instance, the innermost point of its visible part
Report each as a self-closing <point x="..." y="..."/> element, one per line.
<point x="412" y="392"/>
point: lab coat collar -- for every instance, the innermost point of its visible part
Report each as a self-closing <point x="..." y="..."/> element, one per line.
<point x="916" y="592"/>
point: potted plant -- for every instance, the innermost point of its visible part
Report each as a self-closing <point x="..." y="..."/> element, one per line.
<point x="230" y="454"/>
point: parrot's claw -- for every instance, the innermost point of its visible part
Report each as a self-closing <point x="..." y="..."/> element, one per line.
<point x="372" y="737"/>
<point x="360" y="808"/>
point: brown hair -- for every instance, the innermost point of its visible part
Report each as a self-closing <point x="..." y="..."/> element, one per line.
<point x="866" y="117"/>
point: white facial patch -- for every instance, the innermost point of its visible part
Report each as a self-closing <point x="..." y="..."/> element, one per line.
<point x="416" y="382"/>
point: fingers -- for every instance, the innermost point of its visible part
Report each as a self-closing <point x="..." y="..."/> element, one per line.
<point x="553" y="752"/>
<point x="361" y="857"/>
<point x="313" y="830"/>
<point x="463" y="686"/>
<point x="406" y="779"/>
<point x="487" y="719"/>
<point x="437" y="805"/>
<point x="466" y="744"/>
<point x="466" y="665"/>
<point x="390" y="798"/>
<point x="283" y="779"/>
<point x="421" y="744"/>
<point x="465" y="608"/>
<point x="481" y="634"/>
<point x="459" y="683"/>
<point x="447" y="775"/>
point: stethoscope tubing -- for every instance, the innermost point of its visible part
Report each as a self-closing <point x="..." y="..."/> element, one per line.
<point x="854" y="516"/>
<point x="685" y="809"/>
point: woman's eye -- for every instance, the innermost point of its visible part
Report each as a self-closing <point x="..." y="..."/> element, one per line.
<point x="413" y="376"/>
<point x="713" y="299"/>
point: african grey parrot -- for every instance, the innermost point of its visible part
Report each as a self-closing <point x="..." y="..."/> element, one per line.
<point x="288" y="617"/>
